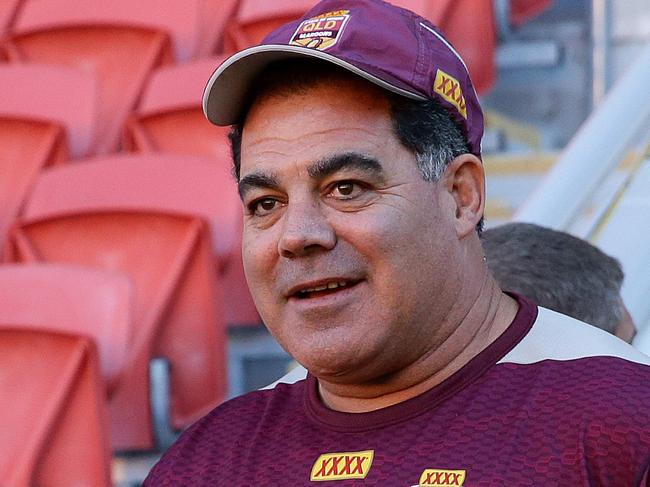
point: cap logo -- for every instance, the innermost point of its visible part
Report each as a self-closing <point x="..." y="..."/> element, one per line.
<point x="449" y="88"/>
<point x="321" y="32"/>
<point x="342" y="466"/>
<point x="432" y="477"/>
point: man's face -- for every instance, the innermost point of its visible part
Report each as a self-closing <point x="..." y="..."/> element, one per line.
<point x="348" y="252"/>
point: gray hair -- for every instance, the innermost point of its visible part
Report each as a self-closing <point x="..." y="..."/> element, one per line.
<point x="427" y="129"/>
<point x="557" y="270"/>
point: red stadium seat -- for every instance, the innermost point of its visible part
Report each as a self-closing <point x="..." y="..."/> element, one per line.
<point x="53" y="416"/>
<point x="39" y="126"/>
<point x="119" y="42"/>
<point x="215" y="16"/>
<point x="521" y="11"/>
<point x="8" y="10"/>
<point x="240" y="309"/>
<point x="25" y="148"/>
<point x="179" y="19"/>
<point x="254" y="20"/>
<point x="75" y="300"/>
<point x="185" y="185"/>
<point x="170" y="119"/>
<point x="144" y="217"/>
<point x="469" y="26"/>
<point x="42" y="93"/>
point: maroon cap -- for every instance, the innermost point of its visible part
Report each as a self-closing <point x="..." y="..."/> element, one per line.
<point x="389" y="46"/>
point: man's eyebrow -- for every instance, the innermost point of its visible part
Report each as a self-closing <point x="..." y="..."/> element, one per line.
<point x="349" y="160"/>
<point x="318" y="170"/>
<point x="256" y="180"/>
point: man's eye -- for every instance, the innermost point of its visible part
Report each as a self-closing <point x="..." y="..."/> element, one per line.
<point x="345" y="189"/>
<point x="263" y="206"/>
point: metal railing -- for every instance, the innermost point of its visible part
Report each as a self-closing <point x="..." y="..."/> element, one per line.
<point x="594" y="152"/>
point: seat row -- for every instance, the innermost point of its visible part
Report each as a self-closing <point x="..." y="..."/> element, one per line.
<point x="116" y="254"/>
<point x="64" y="335"/>
<point x="74" y="369"/>
<point x="154" y="221"/>
<point x="118" y="44"/>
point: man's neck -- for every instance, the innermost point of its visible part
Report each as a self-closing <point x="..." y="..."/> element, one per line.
<point x="480" y="325"/>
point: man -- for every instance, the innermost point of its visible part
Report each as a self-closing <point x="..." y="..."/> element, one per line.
<point x="360" y="174"/>
<point x="560" y="272"/>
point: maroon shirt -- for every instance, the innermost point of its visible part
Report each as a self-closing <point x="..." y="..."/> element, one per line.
<point x="555" y="404"/>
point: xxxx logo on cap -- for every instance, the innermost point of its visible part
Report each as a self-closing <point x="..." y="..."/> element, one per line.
<point x="449" y="88"/>
<point x="321" y="32"/>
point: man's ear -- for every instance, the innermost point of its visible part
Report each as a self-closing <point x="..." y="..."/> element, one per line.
<point x="464" y="180"/>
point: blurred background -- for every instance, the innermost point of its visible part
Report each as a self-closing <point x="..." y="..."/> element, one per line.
<point x="124" y="312"/>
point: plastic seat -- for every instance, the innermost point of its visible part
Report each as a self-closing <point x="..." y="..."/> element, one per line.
<point x="119" y="42"/>
<point x="469" y="26"/>
<point x="39" y="127"/>
<point x="240" y="309"/>
<point x="75" y="300"/>
<point x="179" y="19"/>
<point x="521" y="11"/>
<point x="157" y="182"/>
<point x="53" y="426"/>
<point x="25" y="148"/>
<point x="8" y="10"/>
<point x="215" y="16"/>
<point x="254" y="20"/>
<point x="42" y="93"/>
<point x="169" y="117"/>
<point x="144" y="217"/>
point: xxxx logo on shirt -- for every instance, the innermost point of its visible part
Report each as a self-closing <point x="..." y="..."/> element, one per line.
<point x="433" y="477"/>
<point x="342" y="466"/>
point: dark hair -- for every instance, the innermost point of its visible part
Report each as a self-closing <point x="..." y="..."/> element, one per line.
<point x="559" y="271"/>
<point x="424" y="127"/>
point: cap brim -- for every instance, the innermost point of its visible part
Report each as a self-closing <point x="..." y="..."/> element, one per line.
<point x="225" y="94"/>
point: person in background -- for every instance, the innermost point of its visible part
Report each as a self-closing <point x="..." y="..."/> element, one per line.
<point x="560" y="272"/>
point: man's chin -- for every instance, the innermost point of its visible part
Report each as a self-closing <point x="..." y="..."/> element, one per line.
<point x="342" y="368"/>
<point x="328" y="350"/>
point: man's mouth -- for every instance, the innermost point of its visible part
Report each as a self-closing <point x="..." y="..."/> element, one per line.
<point x="323" y="289"/>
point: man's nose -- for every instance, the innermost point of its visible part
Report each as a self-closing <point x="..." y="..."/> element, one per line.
<point x="305" y="230"/>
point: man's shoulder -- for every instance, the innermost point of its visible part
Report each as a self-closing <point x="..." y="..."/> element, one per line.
<point x="557" y="337"/>
<point x="566" y="361"/>
<point x="227" y="429"/>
